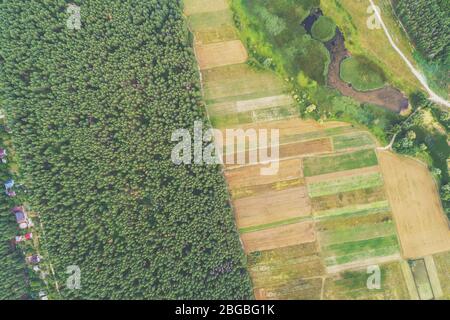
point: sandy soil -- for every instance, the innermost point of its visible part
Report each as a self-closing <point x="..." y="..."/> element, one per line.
<point x="279" y="237"/>
<point x="290" y="150"/>
<point x="421" y="224"/>
<point x="220" y="54"/>
<point x="251" y="175"/>
<point x="272" y="207"/>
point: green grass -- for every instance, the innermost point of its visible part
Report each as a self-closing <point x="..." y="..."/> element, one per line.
<point x="421" y="279"/>
<point x="357" y="233"/>
<point x="213" y="27"/>
<point x="353" y="140"/>
<point x="211" y="20"/>
<point x="348" y="161"/>
<point x="222" y="121"/>
<point x="352" y="285"/>
<point x="272" y="30"/>
<point x="346" y="184"/>
<point x="362" y="74"/>
<point x="324" y="29"/>
<point x="353" y="211"/>
<point x="357" y="250"/>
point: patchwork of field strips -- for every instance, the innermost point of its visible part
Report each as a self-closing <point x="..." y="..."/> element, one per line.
<point x="311" y="230"/>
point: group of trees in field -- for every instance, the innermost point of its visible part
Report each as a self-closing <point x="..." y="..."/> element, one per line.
<point x="92" y="111"/>
<point x="424" y="135"/>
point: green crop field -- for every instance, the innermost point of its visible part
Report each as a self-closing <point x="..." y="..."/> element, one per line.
<point x="420" y="274"/>
<point x="345" y="184"/>
<point x="353" y="285"/>
<point x="360" y="232"/>
<point x="348" y="161"/>
<point x="213" y="27"/>
<point x="341" y="253"/>
<point x="442" y="262"/>
<point x="355" y="210"/>
<point x="344" y="199"/>
<point x="353" y="140"/>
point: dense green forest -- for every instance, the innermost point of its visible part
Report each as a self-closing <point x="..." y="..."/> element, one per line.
<point x="13" y="274"/>
<point x="428" y="24"/>
<point x="92" y="112"/>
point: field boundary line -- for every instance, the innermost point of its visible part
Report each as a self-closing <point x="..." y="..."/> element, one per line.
<point x="274" y="224"/>
<point x="409" y="279"/>
<point x="433" y="276"/>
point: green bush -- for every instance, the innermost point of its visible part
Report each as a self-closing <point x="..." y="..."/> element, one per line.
<point x="324" y="29"/>
<point x="362" y="74"/>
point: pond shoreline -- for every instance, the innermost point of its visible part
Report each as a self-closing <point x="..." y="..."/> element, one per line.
<point x="388" y="97"/>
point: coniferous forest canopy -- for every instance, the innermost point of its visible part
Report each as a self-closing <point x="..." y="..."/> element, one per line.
<point x="428" y="24"/>
<point x="92" y="112"/>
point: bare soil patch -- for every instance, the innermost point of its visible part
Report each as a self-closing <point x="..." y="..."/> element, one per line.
<point x="299" y="149"/>
<point x="284" y="236"/>
<point x="251" y="175"/>
<point x="422" y="226"/>
<point x="271" y="207"/>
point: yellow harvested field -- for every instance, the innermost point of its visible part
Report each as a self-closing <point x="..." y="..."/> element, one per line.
<point x="421" y="224"/>
<point x="203" y="6"/>
<point x="251" y="175"/>
<point x="220" y="54"/>
<point x="290" y="150"/>
<point x="294" y="126"/>
<point x="311" y="147"/>
<point x="284" y="236"/>
<point x="272" y="207"/>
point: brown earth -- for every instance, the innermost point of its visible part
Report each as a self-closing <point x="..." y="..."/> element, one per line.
<point x="251" y="175"/>
<point x="244" y="192"/>
<point x="299" y="149"/>
<point x="387" y="97"/>
<point x="421" y="224"/>
<point x="272" y="207"/>
<point x="283" y="236"/>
